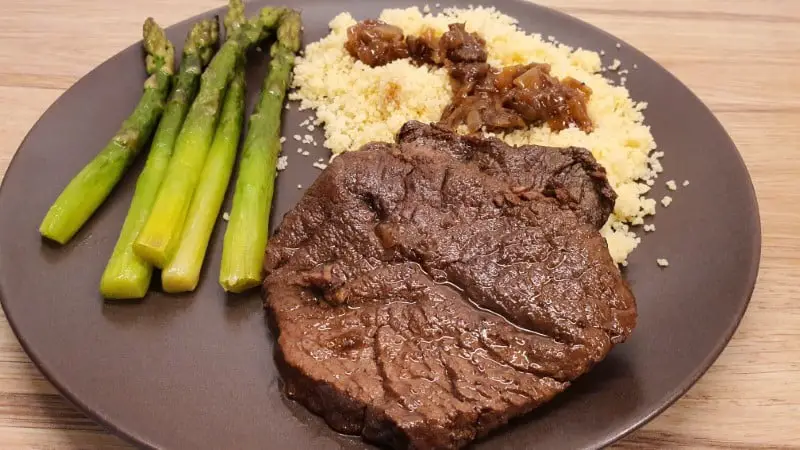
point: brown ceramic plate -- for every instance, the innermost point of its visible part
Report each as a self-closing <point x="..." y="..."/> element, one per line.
<point x="197" y="371"/>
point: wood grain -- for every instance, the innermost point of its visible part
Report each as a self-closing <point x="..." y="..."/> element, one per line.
<point x="742" y="57"/>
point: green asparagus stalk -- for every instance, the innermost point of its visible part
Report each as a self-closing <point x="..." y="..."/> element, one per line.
<point x="127" y="275"/>
<point x="159" y="237"/>
<point x="246" y="235"/>
<point x="92" y="185"/>
<point x="235" y="18"/>
<point x="183" y="271"/>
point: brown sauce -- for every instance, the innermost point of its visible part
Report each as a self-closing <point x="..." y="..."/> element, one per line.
<point x="485" y="98"/>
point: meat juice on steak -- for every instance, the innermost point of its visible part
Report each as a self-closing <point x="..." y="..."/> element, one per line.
<point x="571" y="174"/>
<point x="422" y="298"/>
<point x="484" y="98"/>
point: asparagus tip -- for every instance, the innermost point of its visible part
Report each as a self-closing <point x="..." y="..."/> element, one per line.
<point x="235" y="17"/>
<point x="202" y="39"/>
<point x="160" y="53"/>
<point x="268" y="17"/>
<point x="290" y="31"/>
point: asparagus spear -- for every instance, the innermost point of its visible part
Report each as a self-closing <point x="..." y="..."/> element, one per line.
<point x="183" y="271"/>
<point x="158" y="239"/>
<point x="127" y="275"/>
<point x="246" y="236"/>
<point x="235" y="17"/>
<point x="90" y="187"/>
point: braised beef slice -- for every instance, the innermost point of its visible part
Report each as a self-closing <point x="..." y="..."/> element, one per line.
<point x="457" y="45"/>
<point x="424" y="49"/>
<point x="420" y="301"/>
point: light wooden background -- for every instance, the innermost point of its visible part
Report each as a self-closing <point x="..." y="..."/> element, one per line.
<point x="742" y="57"/>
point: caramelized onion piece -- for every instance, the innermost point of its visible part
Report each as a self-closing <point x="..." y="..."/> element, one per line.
<point x="376" y="43"/>
<point x="483" y="98"/>
<point x="536" y="77"/>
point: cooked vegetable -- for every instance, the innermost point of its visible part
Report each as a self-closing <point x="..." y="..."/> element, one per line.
<point x="127" y="275"/>
<point x="90" y="187"/>
<point x="183" y="271"/>
<point x="235" y="17"/>
<point x="246" y="235"/>
<point x="159" y="238"/>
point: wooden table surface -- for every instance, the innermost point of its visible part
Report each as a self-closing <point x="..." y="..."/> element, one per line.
<point x="742" y="57"/>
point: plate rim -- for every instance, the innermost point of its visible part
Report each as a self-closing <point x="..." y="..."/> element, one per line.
<point x="665" y="402"/>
